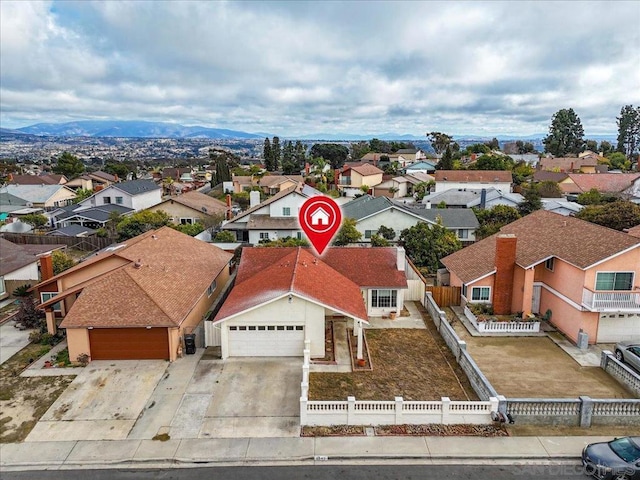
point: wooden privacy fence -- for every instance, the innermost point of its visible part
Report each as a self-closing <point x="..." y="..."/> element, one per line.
<point x="445" y="296"/>
<point x="87" y="244"/>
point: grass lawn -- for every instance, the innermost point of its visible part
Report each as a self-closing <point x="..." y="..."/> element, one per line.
<point x="23" y="400"/>
<point x="409" y="363"/>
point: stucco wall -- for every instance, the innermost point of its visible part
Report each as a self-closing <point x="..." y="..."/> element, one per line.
<point x="28" y="272"/>
<point x="78" y="342"/>
<point x="60" y="198"/>
<point x="568" y="319"/>
<point x="177" y="211"/>
<point x="281" y="312"/>
<point x="628" y="262"/>
<point x="389" y="218"/>
<point x="294" y="201"/>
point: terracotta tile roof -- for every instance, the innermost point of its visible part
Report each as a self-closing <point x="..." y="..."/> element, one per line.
<point x="296" y="271"/>
<point x="502" y="176"/>
<point x="603" y="182"/>
<point x="366" y="169"/>
<point x="175" y="272"/>
<point x="367" y="267"/>
<point x="198" y="201"/>
<point x="542" y="235"/>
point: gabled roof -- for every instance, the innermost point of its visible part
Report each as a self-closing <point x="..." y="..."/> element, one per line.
<point x="35" y="193"/>
<point x="174" y="272"/>
<point x="367" y="267"/>
<point x="542" y="235"/>
<point x="484" y="176"/>
<point x="365" y="169"/>
<point x="99" y="214"/>
<point x="421" y="165"/>
<point x="603" y="182"/>
<point x="450" y="217"/>
<point x="14" y="256"/>
<point x="103" y="176"/>
<point x="365" y="206"/>
<point x="290" y="271"/>
<point x="547" y="176"/>
<point x="36" y="179"/>
<point x="136" y="187"/>
<point x="9" y="202"/>
<point x="269" y="181"/>
<point x="198" y="201"/>
<point x="567" y="164"/>
<point x="300" y="188"/>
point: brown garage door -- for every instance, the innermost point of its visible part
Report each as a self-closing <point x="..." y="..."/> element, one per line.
<point x="129" y="343"/>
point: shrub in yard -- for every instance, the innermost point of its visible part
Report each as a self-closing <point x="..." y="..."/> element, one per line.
<point x="83" y="359"/>
<point x="22" y="291"/>
<point x="29" y="316"/>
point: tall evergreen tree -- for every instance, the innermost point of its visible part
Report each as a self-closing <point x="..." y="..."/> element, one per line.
<point x="289" y="166"/>
<point x="446" y="162"/>
<point x="565" y="134"/>
<point x="300" y="154"/>
<point x="628" y="130"/>
<point x="276" y="153"/>
<point x="266" y="154"/>
<point x="69" y="165"/>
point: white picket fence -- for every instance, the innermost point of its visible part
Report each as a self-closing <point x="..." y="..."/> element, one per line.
<point x="504" y="327"/>
<point x="396" y="412"/>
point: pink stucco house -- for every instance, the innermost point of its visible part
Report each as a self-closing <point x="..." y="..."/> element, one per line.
<point x="586" y="274"/>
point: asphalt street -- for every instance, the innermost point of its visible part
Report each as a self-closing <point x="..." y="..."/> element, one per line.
<point x="318" y="472"/>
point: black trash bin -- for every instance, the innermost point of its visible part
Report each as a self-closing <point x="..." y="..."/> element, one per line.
<point x="190" y="343"/>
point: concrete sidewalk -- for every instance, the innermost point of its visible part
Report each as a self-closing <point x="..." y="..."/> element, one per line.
<point x="131" y="453"/>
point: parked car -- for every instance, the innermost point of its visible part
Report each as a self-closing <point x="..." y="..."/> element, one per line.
<point x="617" y="459"/>
<point x="629" y="353"/>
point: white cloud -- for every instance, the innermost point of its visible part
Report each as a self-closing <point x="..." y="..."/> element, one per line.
<point x="302" y="67"/>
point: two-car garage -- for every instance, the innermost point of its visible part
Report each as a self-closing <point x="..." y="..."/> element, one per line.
<point x="265" y="340"/>
<point x="129" y="343"/>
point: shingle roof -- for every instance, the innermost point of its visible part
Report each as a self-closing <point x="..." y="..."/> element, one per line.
<point x="635" y="231"/>
<point x="200" y="202"/>
<point x="135" y="187"/>
<point x="99" y="214"/>
<point x="450" y="217"/>
<point x="547" y="176"/>
<point x="9" y="202"/>
<point x="265" y="222"/>
<point x="364" y="206"/>
<point x="13" y="256"/>
<point x="34" y="193"/>
<point x="469" y="197"/>
<point x="103" y="176"/>
<point x="295" y="271"/>
<point x="603" y="182"/>
<point x="542" y="235"/>
<point x="161" y="292"/>
<point x="567" y="163"/>
<point x="35" y="179"/>
<point x="273" y="180"/>
<point x="366" y="169"/>
<point x="501" y="176"/>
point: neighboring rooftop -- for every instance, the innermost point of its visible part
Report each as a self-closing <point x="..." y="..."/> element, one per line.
<point x="200" y="202"/>
<point x="575" y="241"/>
<point x="36" y="179"/>
<point x="603" y="182"/>
<point x="483" y="176"/>
<point x="135" y="187"/>
<point x="33" y="193"/>
<point x="14" y="256"/>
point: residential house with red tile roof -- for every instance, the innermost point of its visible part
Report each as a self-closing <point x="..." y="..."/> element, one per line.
<point x="587" y="275"/>
<point x="473" y="179"/>
<point x="619" y="183"/>
<point x="353" y="176"/>
<point x="282" y="297"/>
<point x="137" y="299"/>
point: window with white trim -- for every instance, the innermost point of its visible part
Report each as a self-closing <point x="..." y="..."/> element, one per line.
<point x="264" y="235"/>
<point x="384" y="298"/>
<point x="286" y="211"/>
<point x="44" y="296"/>
<point x="3" y="289"/>
<point x="186" y="221"/>
<point x="480" y="294"/>
<point x="614" y="281"/>
<point x="548" y="264"/>
<point x="211" y="289"/>
<point x="106" y="200"/>
<point x="119" y="200"/>
<point x="369" y="233"/>
<point x="463" y="233"/>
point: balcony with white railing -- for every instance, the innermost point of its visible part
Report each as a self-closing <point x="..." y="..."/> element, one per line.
<point x="611" y="300"/>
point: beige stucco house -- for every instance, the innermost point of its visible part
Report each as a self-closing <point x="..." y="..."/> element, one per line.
<point x="138" y="299"/>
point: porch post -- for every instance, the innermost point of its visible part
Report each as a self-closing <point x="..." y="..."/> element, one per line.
<point x="360" y="356"/>
<point x="52" y="328"/>
<point x="527" y="293"/>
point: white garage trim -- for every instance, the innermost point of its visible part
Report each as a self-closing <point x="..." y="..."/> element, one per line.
<point x="265" y="340"/>
<point x="618" y="327"/>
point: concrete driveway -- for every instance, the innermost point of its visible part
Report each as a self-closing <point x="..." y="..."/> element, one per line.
<point x="102" y="403"/>
<point x="12" y="340"/>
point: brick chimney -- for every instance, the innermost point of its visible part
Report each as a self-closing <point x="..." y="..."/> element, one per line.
<point x="46" y="267"/>
<point x="505" y="265"/>
<point x="228" y="207"/>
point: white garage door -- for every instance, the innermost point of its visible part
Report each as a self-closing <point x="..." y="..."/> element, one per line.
<point x="614" y="327"/>
<point x="266" y="340"/>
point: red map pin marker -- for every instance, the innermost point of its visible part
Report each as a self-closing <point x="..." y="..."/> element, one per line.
<point x="320" y="219"/>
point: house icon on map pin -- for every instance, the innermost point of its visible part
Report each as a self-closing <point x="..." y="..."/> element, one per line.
<point x="320" y="217"/>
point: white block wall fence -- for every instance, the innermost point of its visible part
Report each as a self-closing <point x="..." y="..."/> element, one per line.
<point x="504" y="327"/>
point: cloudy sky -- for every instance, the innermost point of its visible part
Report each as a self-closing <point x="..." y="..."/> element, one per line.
<point x="294" y="68"/>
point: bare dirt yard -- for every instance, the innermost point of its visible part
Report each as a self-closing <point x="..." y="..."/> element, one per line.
<point x="412" y="363"/>
<point x="23" y="400"/>
<point x="535" y="367"/>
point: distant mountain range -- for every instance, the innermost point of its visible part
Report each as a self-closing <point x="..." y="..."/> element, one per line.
<point x="142" y="129"/>
<point x="131" y="129"/>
